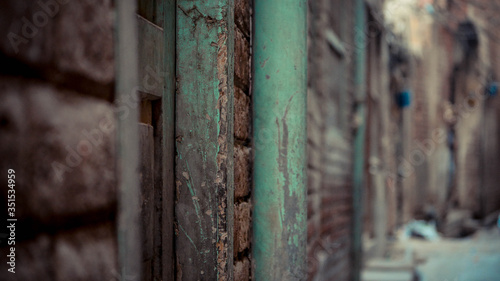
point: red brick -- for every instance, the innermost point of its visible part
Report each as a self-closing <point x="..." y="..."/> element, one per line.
<point x="242" y="221"/>
<point x="242" y="116"/>
<point x="242" y="170"/>
<point x="242" y="16"/>
<point x="242" y="270"/>
<point x="241" y="60"/>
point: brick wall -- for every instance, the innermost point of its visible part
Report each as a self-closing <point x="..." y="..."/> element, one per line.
<point x="242" y="141"/>
<point x="57" y="133"/>
<point x="330" y="99"/>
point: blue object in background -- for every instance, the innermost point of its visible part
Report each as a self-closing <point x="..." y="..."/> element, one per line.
<point x="429" y="8"/>
<point x="403" y="99"/>
<point x="492" y="89"/>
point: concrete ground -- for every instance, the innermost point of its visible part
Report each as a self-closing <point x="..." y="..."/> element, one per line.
<point x="476" y="258"/>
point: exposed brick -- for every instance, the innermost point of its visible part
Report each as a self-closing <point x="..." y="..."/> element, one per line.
<point x="242" y="116"/>
<point x="241" y="171"/>
<point x="241" y="60"/>
<point x="86" y="254"/>
<point x="242" y="16"/>
<point x="242" y="221"/>
<point x="242" y="270"/>
<point x="62" y="145"/>
<point x="66" y="36"/>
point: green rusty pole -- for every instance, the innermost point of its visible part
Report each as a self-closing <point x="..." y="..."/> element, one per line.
<point x="280" y="135"/>
<point x="359" y="138"/>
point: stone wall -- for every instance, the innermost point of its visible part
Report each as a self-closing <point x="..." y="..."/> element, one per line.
<point x="57" y="132"/>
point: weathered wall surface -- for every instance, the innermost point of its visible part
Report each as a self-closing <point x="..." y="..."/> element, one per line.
<point x="57" y="133"/>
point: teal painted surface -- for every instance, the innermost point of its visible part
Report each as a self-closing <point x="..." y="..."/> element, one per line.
<point x="204" y="140"/>
<point x="280" y="135"/>
<point x="359" y="138"/>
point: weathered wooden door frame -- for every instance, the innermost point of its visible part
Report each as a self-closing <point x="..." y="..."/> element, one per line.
<point x="156" y="24"/>
<point x="197" y="109"/>
<point x="133" y="83"/>
<point x="204" y="139"/>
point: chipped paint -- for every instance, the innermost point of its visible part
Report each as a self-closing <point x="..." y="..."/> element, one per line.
<point x="279" y="217"/>
<point x="204" y="119"/>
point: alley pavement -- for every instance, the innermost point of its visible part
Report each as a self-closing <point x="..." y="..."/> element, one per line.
<point x="475" y="258"/>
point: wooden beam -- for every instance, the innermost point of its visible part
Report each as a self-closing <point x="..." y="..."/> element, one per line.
<point x="204" y="139"/>
<point x="151" y="69"/>
<point x="168" y="142"/>
<point x="147" y="199"/>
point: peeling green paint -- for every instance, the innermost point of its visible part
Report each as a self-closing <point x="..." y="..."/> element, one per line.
<point x="204" y="130"/>
<point x="279" y="100"/>
<point x="189" y="238"/>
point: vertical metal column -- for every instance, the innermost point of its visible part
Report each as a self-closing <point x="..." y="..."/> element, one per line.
<point x="129" y="247"/>
<point x="359" y="139"/>
<point x="280" y="136"/>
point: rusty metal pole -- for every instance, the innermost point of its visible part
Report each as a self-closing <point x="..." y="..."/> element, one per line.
<point x="280" y="136"/>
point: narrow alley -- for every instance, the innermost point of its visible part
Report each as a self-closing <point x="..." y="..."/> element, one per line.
<point x="319" y="140"/>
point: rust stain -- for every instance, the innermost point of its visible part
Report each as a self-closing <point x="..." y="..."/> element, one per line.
<point x="264" y="63"/>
